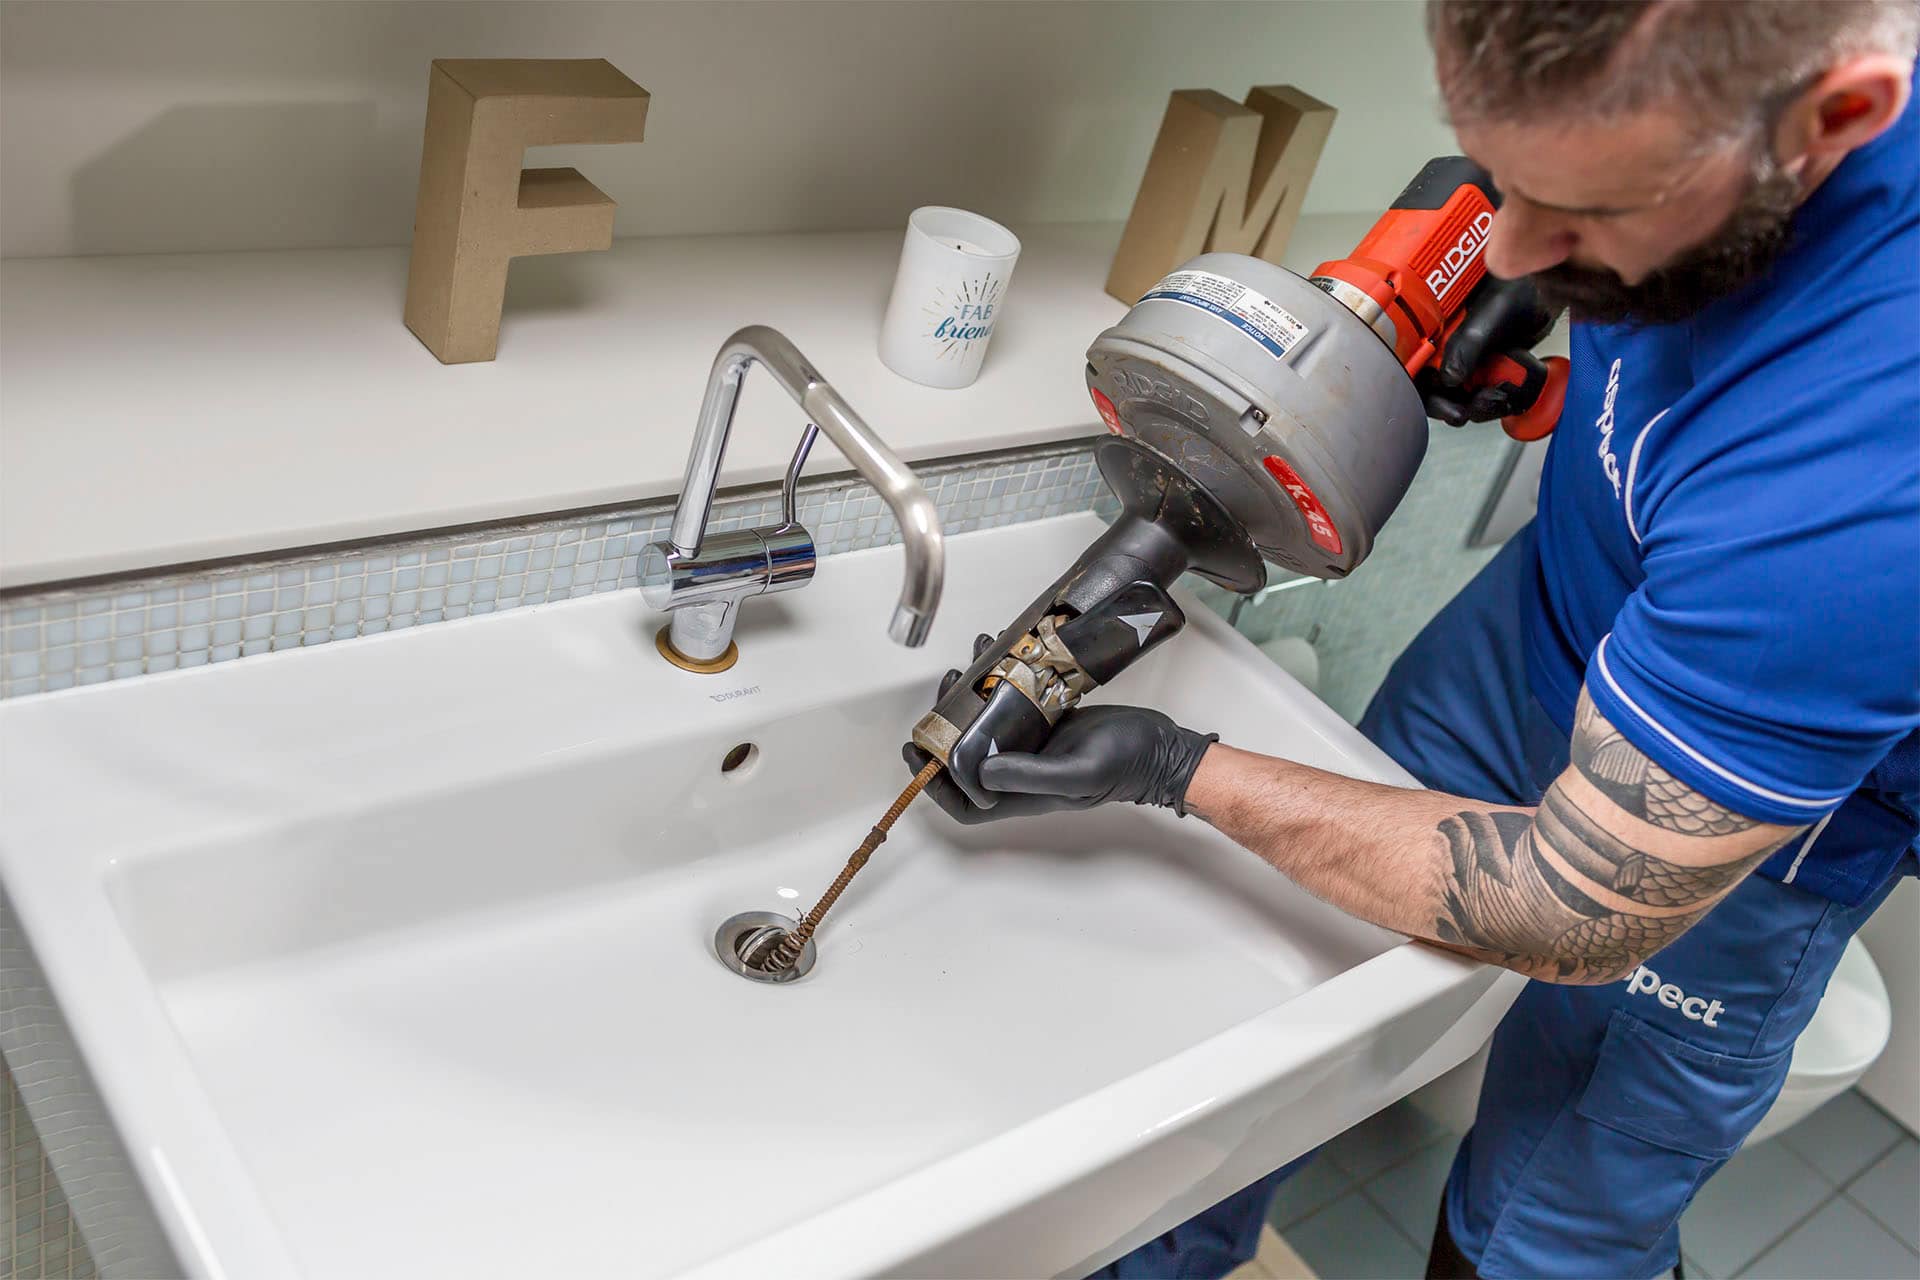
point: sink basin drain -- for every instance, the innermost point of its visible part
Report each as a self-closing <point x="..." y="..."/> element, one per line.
<point x="747" y="938"/>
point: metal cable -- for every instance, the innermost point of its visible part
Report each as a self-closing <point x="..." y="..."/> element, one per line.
<point x="784" y="956"/>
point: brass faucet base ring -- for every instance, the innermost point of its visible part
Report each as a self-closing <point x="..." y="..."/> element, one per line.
<point x="699" y="666"/>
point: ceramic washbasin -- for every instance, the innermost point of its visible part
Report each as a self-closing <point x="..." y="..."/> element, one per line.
<point x="394" y="957"/>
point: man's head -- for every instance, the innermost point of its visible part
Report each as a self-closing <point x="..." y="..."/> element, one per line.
<point x="1651" y="152"/>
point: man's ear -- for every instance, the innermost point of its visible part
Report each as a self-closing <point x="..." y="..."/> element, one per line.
<point x="1844" y="109"/>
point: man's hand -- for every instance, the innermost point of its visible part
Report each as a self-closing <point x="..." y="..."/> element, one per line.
<point x="1096" y="755"/>
<point x="1502" y="315"/>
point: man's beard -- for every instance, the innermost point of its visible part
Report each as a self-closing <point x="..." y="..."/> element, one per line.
<point x="1740" y="252"/>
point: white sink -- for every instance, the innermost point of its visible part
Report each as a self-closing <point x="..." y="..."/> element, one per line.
<point x="393" y="957"/>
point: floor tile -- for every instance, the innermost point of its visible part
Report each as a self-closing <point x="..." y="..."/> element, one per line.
<point x="1696" y="1270"/>
<point x="1274" y="1260"/>
<point x="1308" y="1191"/>
<point x="1843" y="1137"/>
<point x="1890" y="1191"/>
<point x="1352" y="1240"/>
<point x="1251" y="1269"/>
<point x="1382" y="1140"/>
<point x="1840" y="1240"/>
<point x="1748" y="1205"/>
<point x="1409" y="1193"/>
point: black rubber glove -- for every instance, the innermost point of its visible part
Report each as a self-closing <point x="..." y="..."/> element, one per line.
<point x="1502" y="315"/>
<point x="1096" y="755"/>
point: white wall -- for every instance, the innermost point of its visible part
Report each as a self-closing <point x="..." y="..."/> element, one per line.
<point x="159" y="126"/>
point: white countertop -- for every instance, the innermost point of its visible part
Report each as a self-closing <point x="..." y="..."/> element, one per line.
<point x="162" y="408"/>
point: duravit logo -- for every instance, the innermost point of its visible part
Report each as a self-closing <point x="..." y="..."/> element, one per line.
<point x="1645" y="982"/>
<point x="1604" y="424"/>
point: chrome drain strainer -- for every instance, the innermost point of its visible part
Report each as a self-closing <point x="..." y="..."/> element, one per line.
<point x="746" y="940"/>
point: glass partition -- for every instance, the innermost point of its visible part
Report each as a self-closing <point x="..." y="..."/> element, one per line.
<point x="1339" y="638"/>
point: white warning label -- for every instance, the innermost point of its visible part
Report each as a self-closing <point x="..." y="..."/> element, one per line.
<point x="1252" y="312"/>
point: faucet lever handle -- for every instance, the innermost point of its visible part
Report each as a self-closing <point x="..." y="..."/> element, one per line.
<point x="788" y="497"/>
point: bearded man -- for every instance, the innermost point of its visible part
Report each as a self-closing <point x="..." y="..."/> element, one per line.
<point x="1671" y="728"/>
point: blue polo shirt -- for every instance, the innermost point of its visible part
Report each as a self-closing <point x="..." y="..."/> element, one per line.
<point x="1729" y="534"/>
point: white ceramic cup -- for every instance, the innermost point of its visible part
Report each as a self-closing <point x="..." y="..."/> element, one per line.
<point x="954" y="269"/>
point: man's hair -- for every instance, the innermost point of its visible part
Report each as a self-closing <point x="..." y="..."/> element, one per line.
<point x="1731" y="62"/>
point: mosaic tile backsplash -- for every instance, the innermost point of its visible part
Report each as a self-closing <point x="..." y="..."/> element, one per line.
<point x="59" y="638"/>
<point x="38" y="1234"/>
<point x="67" y="1174"/>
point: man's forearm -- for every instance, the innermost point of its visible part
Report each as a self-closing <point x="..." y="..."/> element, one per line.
<point x="1619" y="859"/>
<point x="1367" y="848"/>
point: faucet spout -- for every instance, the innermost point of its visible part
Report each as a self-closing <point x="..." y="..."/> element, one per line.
<point x="703" y="620"/>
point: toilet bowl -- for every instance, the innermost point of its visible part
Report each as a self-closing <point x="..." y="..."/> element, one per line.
<point x="1848" y="1032"/>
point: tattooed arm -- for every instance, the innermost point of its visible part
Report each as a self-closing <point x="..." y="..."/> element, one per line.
<point x="1619" y="859"/>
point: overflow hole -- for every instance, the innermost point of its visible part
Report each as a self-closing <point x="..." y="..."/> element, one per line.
<point x="738" y="758"/>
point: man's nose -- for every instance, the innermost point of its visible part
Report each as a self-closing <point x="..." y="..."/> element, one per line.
<point x="1523" y="241"/>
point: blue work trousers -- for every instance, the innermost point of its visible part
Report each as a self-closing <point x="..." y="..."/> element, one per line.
<point x="1605" y="1108"/>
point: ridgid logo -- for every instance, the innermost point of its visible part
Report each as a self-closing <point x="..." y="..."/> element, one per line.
<point x="1454" y="263"/>
<point x="1645" y="982"/>
<point x="1604" y="425"/>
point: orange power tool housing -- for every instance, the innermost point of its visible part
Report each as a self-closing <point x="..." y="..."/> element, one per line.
<point x="1414" y="277"/>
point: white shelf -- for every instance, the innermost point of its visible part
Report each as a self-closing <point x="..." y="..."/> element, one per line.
<point x="156" y="409"/>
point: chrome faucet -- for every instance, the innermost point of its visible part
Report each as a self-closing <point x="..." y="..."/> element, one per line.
<point x="700" y="579"/>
